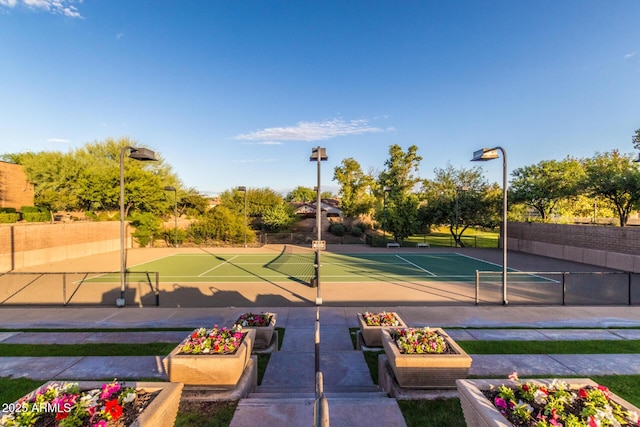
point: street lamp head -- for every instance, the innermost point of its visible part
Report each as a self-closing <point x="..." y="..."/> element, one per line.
<point x="169" y="188"/>
<point x="485" y="154"/>
<point x="242" y="188"/>
<point x="142" y="154"/>
<point x="318" y="154"/>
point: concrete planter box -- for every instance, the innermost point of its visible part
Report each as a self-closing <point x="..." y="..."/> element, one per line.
<point x="427" y="371"/>
<point x="372" y="334"/>
<point x="221" y="370"/>
<point x="161" y="412"/>
<point x="480" y="412"/>
<point x="264" y="334"/>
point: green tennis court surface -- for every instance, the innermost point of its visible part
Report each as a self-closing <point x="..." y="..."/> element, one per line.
<point x="298" y="266"/>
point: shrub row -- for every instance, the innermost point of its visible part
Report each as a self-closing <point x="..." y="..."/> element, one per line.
<point x="339" y="229"/>
<point x="27" y="213"/>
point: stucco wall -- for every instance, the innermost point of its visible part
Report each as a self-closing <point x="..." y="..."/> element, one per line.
<point x="612" y="247"/>
<point x="26" y="245"/>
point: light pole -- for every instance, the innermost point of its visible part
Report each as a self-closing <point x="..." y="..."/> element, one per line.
<point x="175" y="213"/>
<point x="490" y="154"/>
<point x="142" y="154"/>
<point x="384" y="214"/>
<point x="318" y="155"/>
<point x="244" y="189"/>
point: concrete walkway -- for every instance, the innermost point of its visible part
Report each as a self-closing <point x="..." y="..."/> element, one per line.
<point x="287" y="390"/>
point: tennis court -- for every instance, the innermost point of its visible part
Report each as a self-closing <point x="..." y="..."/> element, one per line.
<point x="272" y="277"/>
<point x="298" y="265"/>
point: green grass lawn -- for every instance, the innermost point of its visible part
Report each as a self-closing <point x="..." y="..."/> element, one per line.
<point x="441" y="237"/>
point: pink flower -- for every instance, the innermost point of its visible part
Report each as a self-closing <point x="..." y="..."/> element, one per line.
<point x="500" y="403"/>
<point x="108" y="390"/>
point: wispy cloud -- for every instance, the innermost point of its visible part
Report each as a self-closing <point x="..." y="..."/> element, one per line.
<point x="630" y="55"/>
<point x="119" y="36"/>
<point x="58" y="141"/>
<point x="61" y="7"/>
<point x="263" y="143"/>
<point x="255" y="161"/>
<point x="312" y="131"/>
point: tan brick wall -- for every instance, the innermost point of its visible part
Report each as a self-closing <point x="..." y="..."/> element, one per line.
<point x="27" y="245"/>
<point x="606" y="246"/>
<point x="15" y="190"/>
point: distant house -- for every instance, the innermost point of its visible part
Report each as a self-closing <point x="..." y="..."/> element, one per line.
<point x="330" y="207"/>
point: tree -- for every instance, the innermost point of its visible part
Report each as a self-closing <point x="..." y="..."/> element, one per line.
<point x="616" y="178"/>
<point x="191" y="202"/>
<point x="88" y="178"/>
<point x="53" y="175"/>
<point x="460" y="198"/>
<point x="354" y="184"/>
<point x="279" y="218"/>
<point x="301" y="194"/>
<point x="259" y="200"/>
<point x="401" y="213"/>
<point x="544" y="185"/>
<point x="636" y="140"/>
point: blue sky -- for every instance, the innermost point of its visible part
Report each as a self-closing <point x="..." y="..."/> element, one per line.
<point x="238" y="92"/>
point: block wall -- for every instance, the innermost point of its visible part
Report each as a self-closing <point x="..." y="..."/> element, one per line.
<point x="605" y="246"/>
<point x="26" y="245"/>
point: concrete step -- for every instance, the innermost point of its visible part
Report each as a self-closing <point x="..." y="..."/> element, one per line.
<point x="330" y="395"/>
<point x="346" y="395"/>
<point x="296" y="369"/>
<point x="296" y="394"/>
<point x="343" y="412"/>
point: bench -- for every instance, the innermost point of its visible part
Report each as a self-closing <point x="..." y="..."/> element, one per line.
<point x="422" y="245"/>
<point x="393" y="245"/>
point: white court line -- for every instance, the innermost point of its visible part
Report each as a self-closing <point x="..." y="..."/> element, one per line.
<point x="509" y="268"/>
<point x="416" y="265"/>
<point x="219" y="265"/>
<point x="150" y="261"/>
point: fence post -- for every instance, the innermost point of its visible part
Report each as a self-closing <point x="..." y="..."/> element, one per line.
<point x="157" y="289"/>
<point x="477" y="286"/>
<point x="629" y="281"/>
<point x="64" y="288"/>
<point x="564" y="288"/>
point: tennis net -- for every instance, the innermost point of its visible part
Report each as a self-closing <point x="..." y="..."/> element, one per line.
<point x="296" y="262"/>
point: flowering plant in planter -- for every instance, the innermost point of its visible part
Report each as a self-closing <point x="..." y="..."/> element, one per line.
<point x="251" y="319"/>
<point x="380" y="319"/>
<point x="557" y="404"/>
<point x="419" y="341"/>
<point x="212" y="341"/>
<point x="65" y="405"/>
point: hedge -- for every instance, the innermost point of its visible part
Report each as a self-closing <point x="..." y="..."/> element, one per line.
<point x="8" y="218"/>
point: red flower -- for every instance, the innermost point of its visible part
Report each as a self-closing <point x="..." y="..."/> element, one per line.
<point x="583" y="393"/>
<point x="61" y="415"/>
<point x="113" y="409"/>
